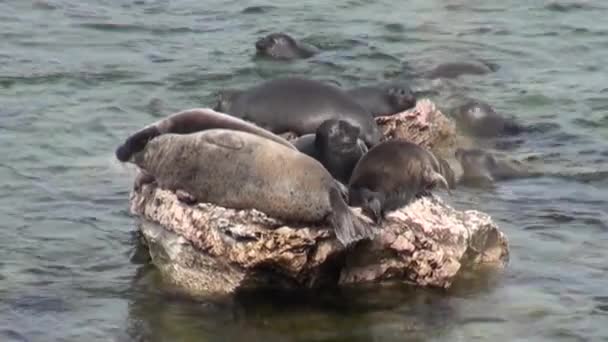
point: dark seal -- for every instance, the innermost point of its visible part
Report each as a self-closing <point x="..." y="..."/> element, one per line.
<point x="240" y="170"/>
<point x="480" y="167"/>
<point x="283" y="46"/>
<point x="456" y="69"/>
<point x="190" y="121"/>
<point x="392" y="174"/>
<point x="479" y="119"/>
<point x="384" y="99"/>
<point x="336" y="145"/>
<point x="298" y="105"/>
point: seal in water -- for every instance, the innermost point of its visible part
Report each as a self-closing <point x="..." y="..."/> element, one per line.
<point x="240" y="170"/>
<point x="298" y="105"/>
<point x="391" y="174"/>
<point x="283" y="46"/>
<point x="456" y="69"/>
<point x="189" y="121"/>
<point x="384" y="99"/>
<point x="480" y="167"/>
<point x="481" y="120"/>
<point x="336" y="146"/>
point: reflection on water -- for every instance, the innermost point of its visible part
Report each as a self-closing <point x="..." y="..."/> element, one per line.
<point x="77" y="77"/>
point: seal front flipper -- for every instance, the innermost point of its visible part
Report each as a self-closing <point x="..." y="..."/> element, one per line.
<point x="141" y="179"/>
<point x="185" y="197"/>
<point x="347" y="226"/>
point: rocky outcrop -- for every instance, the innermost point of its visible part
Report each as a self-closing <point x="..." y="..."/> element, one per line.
<point x="210" y="249"/>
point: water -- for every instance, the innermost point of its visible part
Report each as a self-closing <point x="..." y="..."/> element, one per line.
<point x="76" y="77"/>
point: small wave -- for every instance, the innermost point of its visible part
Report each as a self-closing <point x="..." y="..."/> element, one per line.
<point x="558" y="6"/>
<point x="258" y="9"/>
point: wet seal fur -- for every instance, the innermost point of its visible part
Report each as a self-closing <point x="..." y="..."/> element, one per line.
<point x="457" y="69"/>
<point x="336" y="146"/>
<point x="241" y="170"/>
<point x="280" y="45"/>
<point x="384" y="99"/>
<point x="189" y="121"/>
<point x="481" y="120"/>
<point x="480" y="167"/>
<point x="297" y="105"/>
<point x="392" y="174"/>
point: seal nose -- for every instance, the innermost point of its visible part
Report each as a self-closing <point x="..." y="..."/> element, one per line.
<point x="261" y="44"/>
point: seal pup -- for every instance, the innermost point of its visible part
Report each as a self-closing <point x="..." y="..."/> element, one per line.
<point x="456" y="69"/>
<point x="481" y="120"/>
<point x="336" y="145"/>
<point x="280" y="45"/>
<point x="298" y="105"/>
<point x="384" y="99"/>
<point x="392" y="174"/>
<point x="240" y="170"/>
<point x="480" y="167"/>
<point x="189" y="121"/>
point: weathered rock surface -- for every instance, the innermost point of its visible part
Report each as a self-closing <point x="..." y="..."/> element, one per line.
<point x="206" y="248"/>
<point x="210" y="249"/>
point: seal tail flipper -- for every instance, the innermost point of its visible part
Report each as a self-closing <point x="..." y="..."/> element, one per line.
<point x="136" y="142"/>
<point x="347" y="226"/>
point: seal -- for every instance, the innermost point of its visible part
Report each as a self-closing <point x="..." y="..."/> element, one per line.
<point x="392" y="174"/>
<point x="282" y="46"/>
<point x="384" y="99"/>
<point x="298" y="105"/>
<point x="336" y="146"/>
<point x="456" y="69"/>
<point x="240" y="170"/>
<point x="481" y="120"/>
<point x="480" y="167"/>
<point x="189" y="121"/>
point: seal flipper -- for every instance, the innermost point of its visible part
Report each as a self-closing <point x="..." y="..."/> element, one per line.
<point x="136" y="142"/>
<point x="347" y="226"/>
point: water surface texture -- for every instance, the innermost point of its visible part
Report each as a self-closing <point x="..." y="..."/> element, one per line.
<point x="76" y="77"/>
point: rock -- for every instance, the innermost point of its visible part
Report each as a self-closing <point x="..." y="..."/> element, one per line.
<point x="209" y="249"/>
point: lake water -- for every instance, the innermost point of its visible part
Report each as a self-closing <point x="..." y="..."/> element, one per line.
<point x="76" y="77"/>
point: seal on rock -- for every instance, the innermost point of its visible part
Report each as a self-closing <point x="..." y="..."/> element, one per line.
<point x="456" y="69"/>
<point x="480" y="167"/>
<point x="298" y="105"/>
<point x="189" y="121"/>
<point x="391" y="174"/>
<point x="481" y="120"/>
<point x="384" y="99"/>
<point x="282" y="46"/>
<point x="336" y="145"/>
<point x="240" y="170"/>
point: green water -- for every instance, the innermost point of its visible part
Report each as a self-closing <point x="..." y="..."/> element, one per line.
<point x="76" y="77"/>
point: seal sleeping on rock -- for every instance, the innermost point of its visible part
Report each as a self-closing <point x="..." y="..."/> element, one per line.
<point x="384" y="99"/>
<point x="241" y="170"/>
<point x="392" y="174"/>
<point x="297" y="105"/>
<point x="189" y="121"/>
<point x="283" y="46"/>
<point x="336" y="146"/>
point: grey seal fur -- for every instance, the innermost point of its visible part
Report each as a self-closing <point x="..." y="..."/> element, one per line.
<point x="189" y="121"/>
<point x="392" y="174"/>
<point x="297" y="105"/>
<point x="336" y="146"/>
<point x="384" y="99"/>
<point x="479" y="119"/>
<point x="280" y="45"/>
<point x="240" y="170"/>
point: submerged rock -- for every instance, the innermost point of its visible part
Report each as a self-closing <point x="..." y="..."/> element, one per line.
<point x="208" y="249"/>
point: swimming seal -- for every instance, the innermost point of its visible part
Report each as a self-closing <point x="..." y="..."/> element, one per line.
<point x="384" y="99"/>
<point x="481" y="120"/>
<point x="456" y="69"/>
<point x="241" y="170"/>
<point x="336" y="146"/>
<point x="298" y="105"/>
<point x="189" y="121"/>
<point x="480" y="167"/>
<point x="283" y="46"/>
<point x="391" y="174"/>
